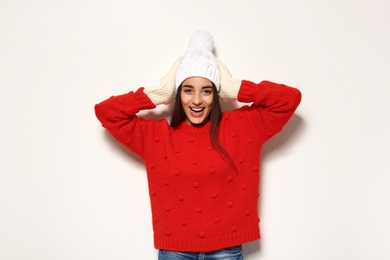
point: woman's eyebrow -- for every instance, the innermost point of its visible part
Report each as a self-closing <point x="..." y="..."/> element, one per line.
<point x="189" y="86"/>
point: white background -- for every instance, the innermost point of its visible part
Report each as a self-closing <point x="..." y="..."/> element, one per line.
<point x="68" y="191"/>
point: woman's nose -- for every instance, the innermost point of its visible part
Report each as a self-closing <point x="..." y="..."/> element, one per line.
<point x="197" y="99"/>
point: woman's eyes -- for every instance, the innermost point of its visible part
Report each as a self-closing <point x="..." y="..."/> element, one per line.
<point x="204" y="91"/>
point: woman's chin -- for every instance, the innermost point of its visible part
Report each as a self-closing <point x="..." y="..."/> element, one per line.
<point x="196" y="121"/>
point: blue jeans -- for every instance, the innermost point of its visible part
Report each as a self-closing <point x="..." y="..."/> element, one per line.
<point x="231" y="253"/>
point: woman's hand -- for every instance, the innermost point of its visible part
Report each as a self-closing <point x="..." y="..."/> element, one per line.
<point x="165" y="93"/>
<point x="229" y="86"/>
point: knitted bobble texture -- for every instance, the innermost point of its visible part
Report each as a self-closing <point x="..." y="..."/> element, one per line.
<point x="199" y="60"/>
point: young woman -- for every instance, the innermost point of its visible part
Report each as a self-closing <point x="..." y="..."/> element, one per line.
<point x="203" y="167"/>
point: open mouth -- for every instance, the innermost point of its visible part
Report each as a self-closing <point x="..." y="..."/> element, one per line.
<point x="197" y="110"/>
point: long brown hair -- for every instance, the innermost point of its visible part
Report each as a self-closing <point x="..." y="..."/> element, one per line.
<point x="178" y="116"/>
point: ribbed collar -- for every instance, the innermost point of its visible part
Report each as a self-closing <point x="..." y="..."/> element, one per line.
<point x="194" y="129"/>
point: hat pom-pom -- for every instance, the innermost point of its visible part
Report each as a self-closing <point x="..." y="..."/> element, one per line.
<point x="201" y="40"/>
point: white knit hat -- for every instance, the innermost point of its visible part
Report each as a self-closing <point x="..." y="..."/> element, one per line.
<point x="199" y="60"/>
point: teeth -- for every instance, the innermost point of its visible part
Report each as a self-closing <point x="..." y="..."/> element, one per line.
<point x="197" y="109"/>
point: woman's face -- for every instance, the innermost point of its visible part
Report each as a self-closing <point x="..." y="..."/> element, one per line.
<point x="196" y="99"/>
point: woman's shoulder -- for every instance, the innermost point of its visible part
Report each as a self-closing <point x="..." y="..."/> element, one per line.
<point x="147" y="123"/>
<point x="159" y="122"/>
<point x="238" y="120"/>
<point x="236" y="113"/>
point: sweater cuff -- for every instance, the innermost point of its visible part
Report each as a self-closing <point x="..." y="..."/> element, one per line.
<point x="247" y="91"/>
<point x="142" y="101"/>
<point x="128" y="104"/>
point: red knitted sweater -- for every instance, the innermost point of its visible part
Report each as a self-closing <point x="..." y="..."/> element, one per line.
<point x="199" y="202"/>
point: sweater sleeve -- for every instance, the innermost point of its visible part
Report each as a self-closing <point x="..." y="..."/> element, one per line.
<point x="118" y="115"/>
<point x="273" y="105"/>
